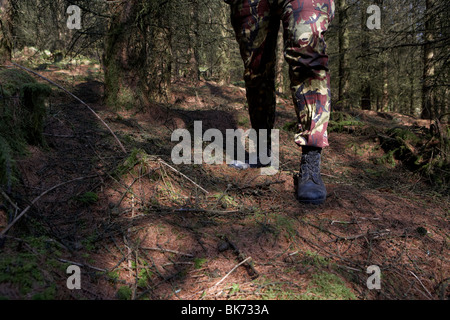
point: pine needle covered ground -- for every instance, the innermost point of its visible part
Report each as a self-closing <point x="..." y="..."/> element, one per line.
<point x="141" y="227"/>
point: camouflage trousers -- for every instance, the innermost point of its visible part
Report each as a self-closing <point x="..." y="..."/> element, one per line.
<point x="256" y="24"/>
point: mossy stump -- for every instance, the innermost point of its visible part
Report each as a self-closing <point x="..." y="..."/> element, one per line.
<point x="22" y="115"/>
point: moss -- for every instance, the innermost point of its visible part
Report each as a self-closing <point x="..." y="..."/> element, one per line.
<point x="387" y="158"/>
<point x="243" y="120"/>
<point x="328" y="286"/>
<point x="126" y="98"/>
<point x="404" y="134"/>
<point x="338" y="116"/>
<point x="24" y="269"/>
<point x="290" y="126"/>
<point x="22" y="114"/>
<point x="144" y="277"/>
<point x="199" y="262"/>
<point x="87" y="198"/>
<point x="314" y="259"/>
<point x="419" y="151"/>
<point x="21" y="270"/>
<point x="270" y="290"/>
<point x="136" y="157"/>
<point x="286" y="226"/>
<point x="343" y="122"/>
<point x="124" y="293"/>
<point x="8" y="173"/>
<point x="117" y="95"/>
<point x="11" y="81"/>
<point x="225" y="200"/>
<point x="33" y="97"/>
<point x="111" y="83"/>
<point x="48" y="294"/>
<point x="343" y="126"/>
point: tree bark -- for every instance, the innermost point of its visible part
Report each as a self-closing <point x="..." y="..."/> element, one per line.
<point x="6" y="44"/>
<point x="196" y="44"/>
<point x="344" y="44"/>
<point x="138" y="59"/>
<point x="385" y="99"/>
<point x="122" y="58"/>
<point x="428" y="64"/>
<point x="365" y="71"/>
<point x="280" y="62"/>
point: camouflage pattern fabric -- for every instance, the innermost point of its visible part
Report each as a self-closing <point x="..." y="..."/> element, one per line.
<point x="256" y="24"/>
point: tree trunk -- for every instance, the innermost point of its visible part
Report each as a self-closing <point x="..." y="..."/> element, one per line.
<point x="158" y="68"/>
<point x="385" y="99"/>
<point x="412" y="110"/>
<point x="122" y="58"/>
<point x="365" y="99"/>
<point x="280" y="62"/>
<point x="225" y="52"/>
<point x="428" y="64"/>
<point x="195" y="42"/>
<point x="6" y="43"/>
<point x="137" y="58"/>
<point x="344" y="44"/>
<point x="365" y="71"/>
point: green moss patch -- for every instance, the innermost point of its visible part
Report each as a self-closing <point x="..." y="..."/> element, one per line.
<point x="22" y="114"/>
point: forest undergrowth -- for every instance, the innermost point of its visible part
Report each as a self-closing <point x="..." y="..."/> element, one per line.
<point x="141" y="227"/>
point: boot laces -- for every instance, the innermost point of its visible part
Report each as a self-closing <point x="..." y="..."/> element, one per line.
<point x="310" y="167"/>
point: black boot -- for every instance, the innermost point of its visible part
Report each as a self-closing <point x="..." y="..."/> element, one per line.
<point x="309" y="187"/>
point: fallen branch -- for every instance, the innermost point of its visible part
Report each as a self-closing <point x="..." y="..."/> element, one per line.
<point x="231" y="271"/>
<point x="249" y="266"/>
<point x="369" y="234"/>
<point x="10" y="201"/>
<point x="212" y="212"/>
<point x="81" y="265"/>
<point x="75" y="97"/>
<point x="35" y="200"/>
<point x="184" y="176"/>
<point x="431" y="297"/>
<point x="167" y="250"/>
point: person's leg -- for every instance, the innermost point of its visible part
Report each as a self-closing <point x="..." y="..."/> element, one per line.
<point x="256" y="26"/>
<point x="304" y="23"/>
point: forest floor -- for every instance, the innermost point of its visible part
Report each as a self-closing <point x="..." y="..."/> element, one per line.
<point x="141" y="227"/>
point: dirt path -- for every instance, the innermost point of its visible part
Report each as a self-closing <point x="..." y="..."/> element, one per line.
<point x="140" y="230"/>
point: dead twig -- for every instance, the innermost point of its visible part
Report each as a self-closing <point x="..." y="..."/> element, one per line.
<point x="81" y="265"/>
<point x="168" y="210"/>
<point x="212" y="212"/>
<point x="183" y="175"/>
<point x="430" y="296"/>
<point x="168" y="250"/>
<point x="36" y="199"/>
<point x="241" y="257"/>
<point x="10" y="201"/>
<point x="342" y="222"/>
<point x="231" y="271"/>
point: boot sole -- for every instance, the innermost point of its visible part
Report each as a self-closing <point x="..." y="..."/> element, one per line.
<point x="315" y="202"/>
<point x="305" y="201"/>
